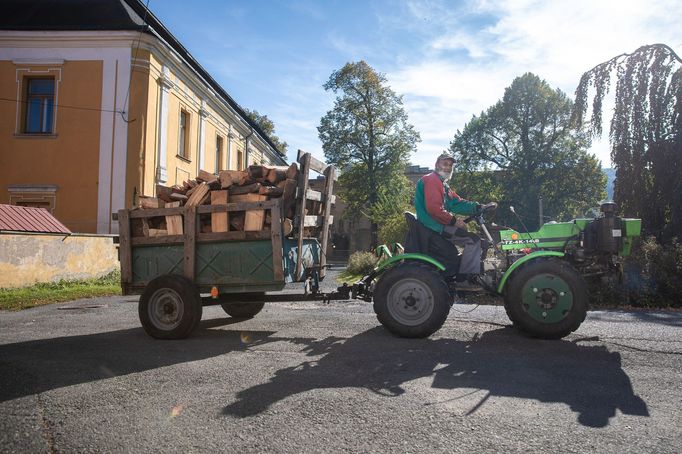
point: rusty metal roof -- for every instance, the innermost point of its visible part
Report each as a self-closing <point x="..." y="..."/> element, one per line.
<point x="28" y="219"/>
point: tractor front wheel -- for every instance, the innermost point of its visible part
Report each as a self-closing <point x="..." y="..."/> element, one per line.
<point x="411" y="300"/>
<point x="546" y="298"/>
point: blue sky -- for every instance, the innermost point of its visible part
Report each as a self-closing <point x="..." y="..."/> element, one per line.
<point x="449" y="59"/>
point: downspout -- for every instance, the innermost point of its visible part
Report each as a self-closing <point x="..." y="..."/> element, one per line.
<point x="246" y="151"/>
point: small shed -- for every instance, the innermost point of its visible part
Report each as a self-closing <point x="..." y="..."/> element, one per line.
<point x="15" y="218"/>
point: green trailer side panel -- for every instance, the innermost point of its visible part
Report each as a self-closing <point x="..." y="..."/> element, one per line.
<point x="236" y="264"/>
<point x="521" y="261"/>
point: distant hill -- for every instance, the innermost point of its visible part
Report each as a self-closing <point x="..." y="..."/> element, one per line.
<point x="610" y="176"/>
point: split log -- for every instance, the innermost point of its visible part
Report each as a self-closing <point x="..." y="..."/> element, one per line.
<point x="164" y="193"/>
<point x="174" y="223"/>
<point x="237" y="220"/>
<point x="271" y="191"/>
<point x="157" y="232"/>
<point x="205" y="176"/>
<point x="238" y="190"/>
<point x="175" y="189"/>
<point x="199" y="195"/>
<point x="178" y="196"/>
<point x="287" y="226"/>
<point x="219" y="221"/>
<point x="233" y="177"/>
<point x="150" y="202"/>
<point x="257" y="172"/>
<point x="289" y="198"/>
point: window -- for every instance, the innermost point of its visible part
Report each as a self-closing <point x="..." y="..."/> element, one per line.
<point x="38" y="196"/>
<point x="39" y="105"/>
<point x="218" y="153"/>
<point x="240" y="160"/>
<point x="183" y="144"/>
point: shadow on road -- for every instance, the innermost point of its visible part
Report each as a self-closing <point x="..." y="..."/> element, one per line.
<point x="589" y="379"/>
<point x="28" y="368"/>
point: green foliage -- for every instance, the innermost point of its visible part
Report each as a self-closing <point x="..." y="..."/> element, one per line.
<point x="523" y="148"/>
<point x="366" y="135"/>
<point x="361" y="262"/>
<point x="55" y="292"/>
<point x="268" y="127"/>
<point x="653" y="274"/>
<point x="645" y="133"/>
<point x="393" y="229"/>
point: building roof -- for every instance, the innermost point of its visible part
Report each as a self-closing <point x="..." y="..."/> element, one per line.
<point x="87" y="15"/>
<point x="27" y="219"/>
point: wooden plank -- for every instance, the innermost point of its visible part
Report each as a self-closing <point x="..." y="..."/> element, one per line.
<point x="276" y="229"/>
<point x="234" y="236"/>
<point x="199" y="195"/>
<point x="315" y="221"/>
<point x="157" y="232"/>
<point x="303" y="186"/>
<point x="241" y="206"/>
<point x="219" y="221"/>
<point x="254" y="219"/>
<point x="168" y="239"/>
<point x="136" y="214"/>
<point x="327" y="218"/>
<point x="174" y="222"/>
<point x="125" y="249"/>
<point x="318" y="196"/>
<point x="190" y="238"/>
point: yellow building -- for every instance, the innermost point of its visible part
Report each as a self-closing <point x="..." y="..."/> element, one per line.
<point x="99" y="103"/>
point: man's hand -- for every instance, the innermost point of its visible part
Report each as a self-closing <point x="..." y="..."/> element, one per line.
<point x="490" y="206"/>
<point x="460" y="224"/>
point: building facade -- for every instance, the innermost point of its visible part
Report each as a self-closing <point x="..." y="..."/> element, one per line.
<point x="99" y="103"/>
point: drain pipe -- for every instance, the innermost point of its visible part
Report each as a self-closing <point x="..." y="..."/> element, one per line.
<point x="246" y="151"/>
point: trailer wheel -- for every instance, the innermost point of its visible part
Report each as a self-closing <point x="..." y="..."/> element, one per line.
<point x="170" y="307"/>
<point x="242" y="305"/>
<point x="411" y="300"/>
<point x="546" y="298"/>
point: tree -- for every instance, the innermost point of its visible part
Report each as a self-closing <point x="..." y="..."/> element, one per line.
<point x="523" y="148"/>
<point x="645" y="133"/>
<point x="268" y="127"/>
<point x="367" y="136"/>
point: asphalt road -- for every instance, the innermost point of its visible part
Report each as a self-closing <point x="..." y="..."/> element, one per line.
<point x="308" y="377"/>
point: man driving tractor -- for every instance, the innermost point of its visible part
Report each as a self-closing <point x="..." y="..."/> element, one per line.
<point x="436" y="205"/>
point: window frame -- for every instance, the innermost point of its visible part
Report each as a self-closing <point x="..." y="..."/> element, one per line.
<point x="183" y="134"/>
<point x="219" y="141"/>
<point x="26" y="98"/>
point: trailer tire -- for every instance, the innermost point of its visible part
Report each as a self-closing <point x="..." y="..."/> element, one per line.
<point x="170" y="307"/>
<point x="546" y="298"/>
<point x="242" y="305"/>
<point x="411" y="300"/>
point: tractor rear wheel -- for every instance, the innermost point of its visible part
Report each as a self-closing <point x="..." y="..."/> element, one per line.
<point x="412" y="300"/>
<point x="546" y="298"/>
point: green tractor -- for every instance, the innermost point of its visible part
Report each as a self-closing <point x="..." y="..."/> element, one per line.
<point x="541" y="275"/>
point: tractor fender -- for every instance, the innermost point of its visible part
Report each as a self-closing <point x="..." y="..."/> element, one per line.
<point x="409" y="256"/>
<point x="521" y="261"/>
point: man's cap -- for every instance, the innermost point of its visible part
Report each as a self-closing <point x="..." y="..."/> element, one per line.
<point x="445" y="156"/>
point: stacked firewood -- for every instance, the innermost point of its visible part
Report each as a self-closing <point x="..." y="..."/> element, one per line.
<point x="257" y="184"/>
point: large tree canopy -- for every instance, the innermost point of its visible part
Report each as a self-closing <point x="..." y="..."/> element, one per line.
<point x="268" y="128"/>
<point x="367" y="135"/>
<point x="645" y="132"/>
<point x="523" y="148"/>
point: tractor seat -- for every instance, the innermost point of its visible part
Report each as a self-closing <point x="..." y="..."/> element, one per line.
<point x="417" y="239"/>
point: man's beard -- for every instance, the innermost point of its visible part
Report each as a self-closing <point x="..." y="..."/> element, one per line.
<point x="445" y="175"/>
